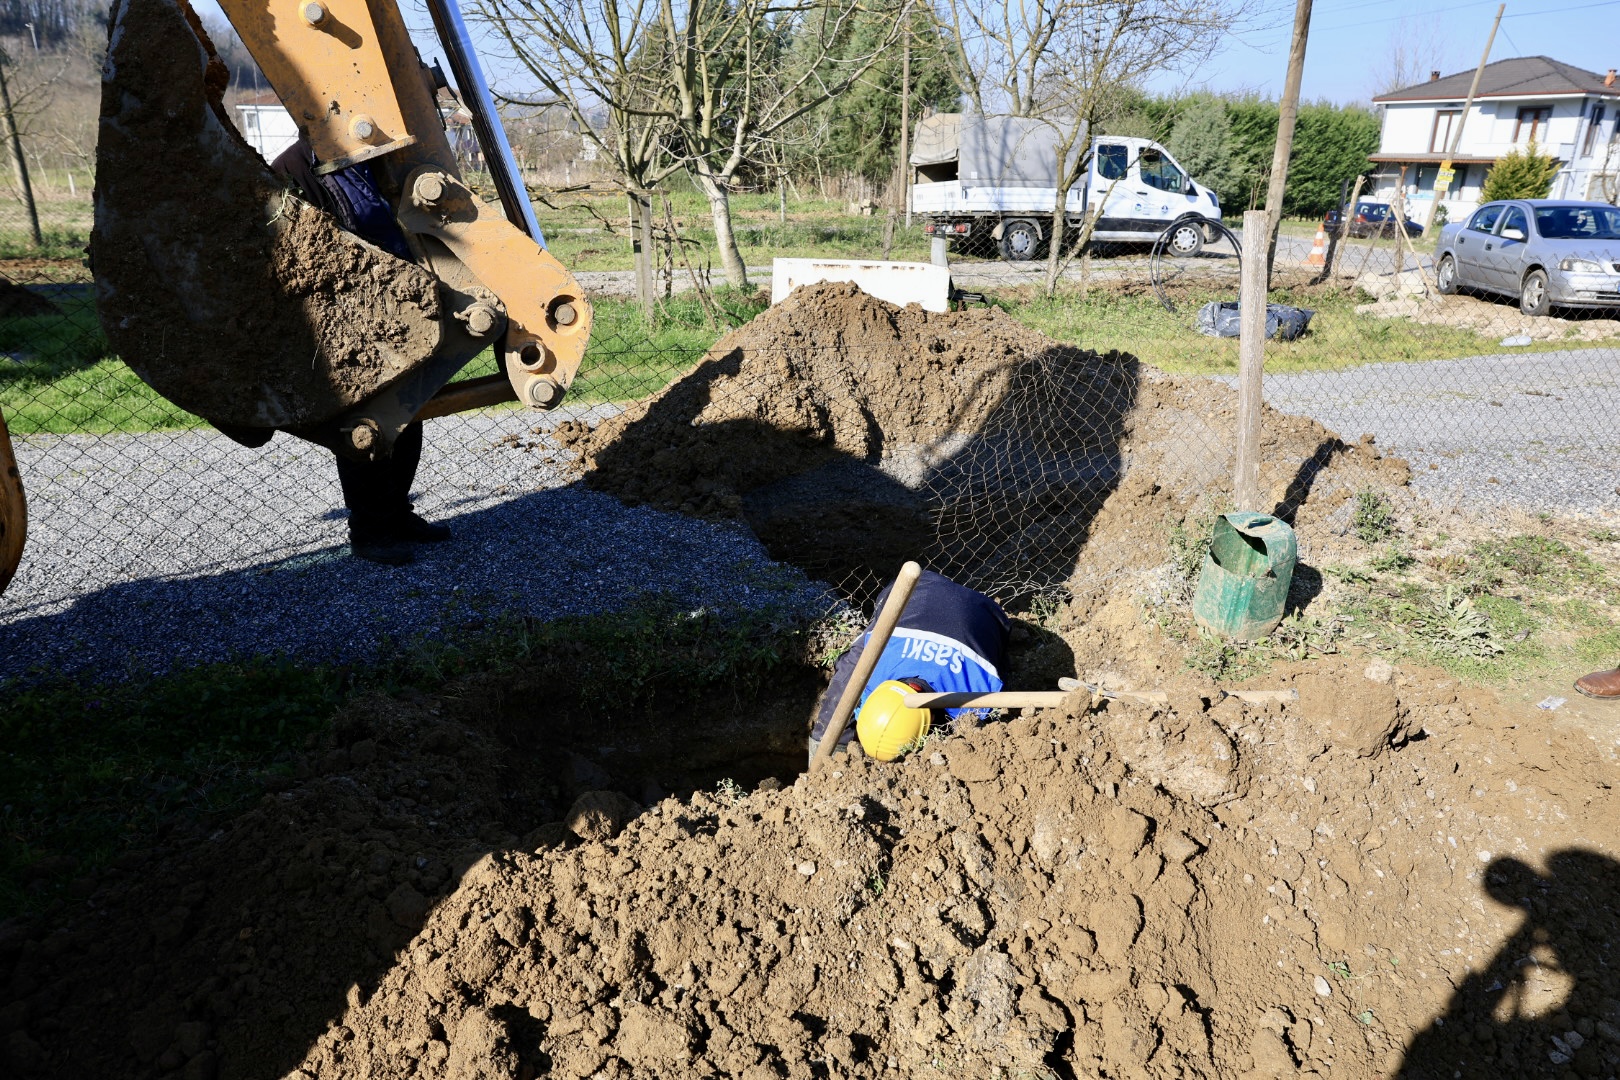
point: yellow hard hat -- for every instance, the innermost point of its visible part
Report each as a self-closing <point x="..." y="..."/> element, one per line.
<point x="885" y="726"/>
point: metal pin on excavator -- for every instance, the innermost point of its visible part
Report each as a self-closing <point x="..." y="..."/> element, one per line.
<point x="245" y="305"/>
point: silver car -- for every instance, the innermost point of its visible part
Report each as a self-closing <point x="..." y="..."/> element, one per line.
<point x="1546" y="252"/>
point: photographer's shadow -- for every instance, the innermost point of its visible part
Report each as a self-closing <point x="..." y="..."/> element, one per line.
<point x="1542" y="1008"/>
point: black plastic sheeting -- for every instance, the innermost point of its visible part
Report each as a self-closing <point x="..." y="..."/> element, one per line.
<point x="1220" y="318"/>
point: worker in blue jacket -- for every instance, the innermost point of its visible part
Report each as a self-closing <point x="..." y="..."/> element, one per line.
<point x="950" y="639"/>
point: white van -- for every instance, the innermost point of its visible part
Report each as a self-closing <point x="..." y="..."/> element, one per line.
<point x="977" y="175"/>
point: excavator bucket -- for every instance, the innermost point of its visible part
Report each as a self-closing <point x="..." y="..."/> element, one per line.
<point x="223" y="290"/>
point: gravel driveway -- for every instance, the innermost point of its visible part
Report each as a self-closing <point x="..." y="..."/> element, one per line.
<point x="175" y="548"/>
<point x="165" y="548"/>
<point x="1540" y="431"/>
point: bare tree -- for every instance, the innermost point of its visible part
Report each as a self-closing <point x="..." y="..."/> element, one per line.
<point x="744" y="71"/>
<point x="1417" y="47"/>
<point x="589" y="59"/>
<point x="1606" y="179"/>
<point x="1071" y="63"/>
<point x="700" y="85"/>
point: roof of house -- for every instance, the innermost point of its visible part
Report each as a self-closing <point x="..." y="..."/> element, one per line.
<point x="1431" y="159"/>
<point x="1520" y="76"/>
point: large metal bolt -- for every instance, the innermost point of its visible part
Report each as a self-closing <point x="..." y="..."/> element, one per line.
<point x="481" y="320"/>
<point x="363" y="435"/>
<point x="544" y="393"/>
<point x="314" y="14"/>
<point x="428" y="190"/>
<point x="564" y="314"/>
<point x="362" y="128"/>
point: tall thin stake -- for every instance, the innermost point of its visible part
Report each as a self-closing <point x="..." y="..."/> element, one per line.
<point x="1287" y="113"/>
<point x="905" y="124"/>
<point x="1456" y="134"/>
<point x="19" y="167"/>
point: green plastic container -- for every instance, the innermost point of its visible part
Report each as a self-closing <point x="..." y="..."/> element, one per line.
<point x="1243" y="587"/>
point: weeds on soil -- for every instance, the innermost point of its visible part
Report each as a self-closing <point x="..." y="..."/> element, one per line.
<point x="1373" y="520"/>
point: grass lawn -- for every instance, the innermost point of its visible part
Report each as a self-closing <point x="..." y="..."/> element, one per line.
<point x="1133" y="321"/>
<point x="89" y="769"/>
<point x="57" y="377"/>
<point x="581" y="240"/>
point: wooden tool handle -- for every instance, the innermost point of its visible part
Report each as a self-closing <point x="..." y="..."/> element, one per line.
<point x="887" y="619"/>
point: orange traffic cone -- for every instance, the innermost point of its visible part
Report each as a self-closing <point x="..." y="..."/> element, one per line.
<point x="1318" y="256"/>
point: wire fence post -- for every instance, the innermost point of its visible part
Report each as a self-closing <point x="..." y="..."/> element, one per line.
<point x="1251" y="359"/>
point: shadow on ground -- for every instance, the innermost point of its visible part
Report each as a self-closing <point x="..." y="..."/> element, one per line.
<point x="1549" y="1002"/>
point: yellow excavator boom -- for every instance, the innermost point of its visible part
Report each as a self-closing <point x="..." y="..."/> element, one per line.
<point x="240" y="301"/>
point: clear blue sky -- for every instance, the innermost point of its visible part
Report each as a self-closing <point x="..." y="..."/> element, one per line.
<point x="1352" y="41"/>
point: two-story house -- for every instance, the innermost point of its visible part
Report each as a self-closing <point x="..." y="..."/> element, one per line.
<point x="1567" y="111"/>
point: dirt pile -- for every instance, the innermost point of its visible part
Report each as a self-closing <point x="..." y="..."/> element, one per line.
<point x="851" y="435"/>
<point x="1391" y="877"/>
<point x="1343" y="887"/>
<point x="226" y="951"/>
<point x="228" y="295"/>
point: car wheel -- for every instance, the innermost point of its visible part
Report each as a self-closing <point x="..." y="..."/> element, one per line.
<point x="1534" y="299"/>
<point x="1020" y="241"/>
<point x="1445" y="275"/>
<point x="1186" y="238"/>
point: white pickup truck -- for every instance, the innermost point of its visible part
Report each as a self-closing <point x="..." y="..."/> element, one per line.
<point x="995" y="176"/>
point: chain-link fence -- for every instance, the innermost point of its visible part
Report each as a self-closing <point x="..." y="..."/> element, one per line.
<point x="831" y="433"/>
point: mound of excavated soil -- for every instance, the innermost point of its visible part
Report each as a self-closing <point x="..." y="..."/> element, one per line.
<point x="1385" y="879"/>
<point x="852" y="435"/>
<point x="1390" y="877"/>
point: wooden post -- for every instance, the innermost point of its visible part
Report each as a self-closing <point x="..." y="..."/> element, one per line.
<point x="1344" y="229"/>
<point x="642" y="243"/>
<point x="1251" y="365"/>
<point x="882" y="630"/>
<point x="1456" y="133"/>
<point x="19" y="167"/>
<point x="1287" y="113"/>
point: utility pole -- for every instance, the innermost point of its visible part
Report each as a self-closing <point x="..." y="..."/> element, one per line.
<point x="905" y="122"/>
<point x="19" y="167"/>
<point x="1287" y="113"/>
<point x="1456" y="135"/>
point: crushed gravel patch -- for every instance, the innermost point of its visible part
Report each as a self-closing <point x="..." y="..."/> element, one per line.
<point x="169" y="549"/>
<point x="1539" y="431"/>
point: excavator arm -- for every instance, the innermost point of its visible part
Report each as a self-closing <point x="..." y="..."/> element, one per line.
<point x="243" y="303"/>
<point x="240" y="301"/>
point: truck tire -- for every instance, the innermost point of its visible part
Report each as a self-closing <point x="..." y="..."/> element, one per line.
<point x="1020" y="241"/>
<point x="1186" y="238"/>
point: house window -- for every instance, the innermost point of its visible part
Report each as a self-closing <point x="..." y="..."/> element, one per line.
<point x="1446" y="121"/>
<point x="1592" y="131"/>
<point x="1532" y="124"/>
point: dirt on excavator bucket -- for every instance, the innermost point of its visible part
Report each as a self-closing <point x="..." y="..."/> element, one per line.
<point x="224" y="291"/>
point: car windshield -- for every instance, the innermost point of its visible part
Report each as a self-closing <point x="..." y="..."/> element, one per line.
<point x="1373" y="211"/>
<point x="1578" y="222"/>
<point x="1158" y="172"/>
